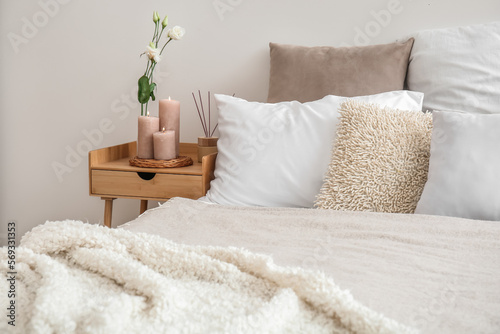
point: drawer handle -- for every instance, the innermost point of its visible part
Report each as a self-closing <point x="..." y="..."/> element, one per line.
<point x="146" y="176"/>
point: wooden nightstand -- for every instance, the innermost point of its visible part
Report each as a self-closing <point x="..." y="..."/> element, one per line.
<point x="111" y="177"/>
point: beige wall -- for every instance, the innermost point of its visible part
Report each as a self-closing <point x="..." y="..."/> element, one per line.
<point x="69" y="65"/>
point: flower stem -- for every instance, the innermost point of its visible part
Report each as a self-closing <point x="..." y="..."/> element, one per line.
<point x="151" y="77"/>
<point x="156" y="30"/>
<point x="159" y="36"/>
<point x="151" y="69"/>
<point x="165" y="46"/>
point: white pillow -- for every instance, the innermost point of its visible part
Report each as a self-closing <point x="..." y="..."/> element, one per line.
<point x="464" y="167"/>
<point x="277" y="154"/>
<point x="457" y="68"/>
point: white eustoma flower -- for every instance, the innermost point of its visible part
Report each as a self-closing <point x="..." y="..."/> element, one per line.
<point x="176" y="32"/>
<point x="153" y="53"/>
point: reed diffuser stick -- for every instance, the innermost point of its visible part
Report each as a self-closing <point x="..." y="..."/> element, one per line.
<point x="209" y="112"/>
<point x="207" y="126"/>
<point x="199" y="114"/>
<point x="203" y="111"/>
<point x="214" y="129"/>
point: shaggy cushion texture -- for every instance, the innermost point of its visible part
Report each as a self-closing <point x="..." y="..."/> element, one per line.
<point x="81" y="278"/>
<point x="310" y="73"/>
<point x="379" y="161"/>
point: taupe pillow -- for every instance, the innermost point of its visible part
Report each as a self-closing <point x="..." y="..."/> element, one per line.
<point x="379" y="161"/>
<point x="309" y="73"/>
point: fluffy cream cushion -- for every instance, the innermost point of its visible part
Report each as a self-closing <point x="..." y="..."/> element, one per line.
<point x="379" y="161"/>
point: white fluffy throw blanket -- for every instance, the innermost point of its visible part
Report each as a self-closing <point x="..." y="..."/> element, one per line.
<point x="80" y="278"/>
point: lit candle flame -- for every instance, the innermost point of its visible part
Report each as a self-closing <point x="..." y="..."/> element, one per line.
<point x="169" y="98"/>
<point x="163" y="130"/>
<point x="147" y="113"/>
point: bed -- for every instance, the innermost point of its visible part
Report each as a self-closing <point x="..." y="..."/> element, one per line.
<point x="352" y="212"/>
<point x="437" y="274"/>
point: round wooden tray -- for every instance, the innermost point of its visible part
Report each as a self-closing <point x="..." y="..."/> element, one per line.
<point x="180" y="161"/>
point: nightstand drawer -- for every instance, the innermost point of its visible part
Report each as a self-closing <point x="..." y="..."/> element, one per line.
<point x="130" y="184"/>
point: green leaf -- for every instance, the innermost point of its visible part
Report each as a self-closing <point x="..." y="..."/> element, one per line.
<point x="152" y="91"/>
<point x="144" y="92"/>
<point x="152" y="87"/>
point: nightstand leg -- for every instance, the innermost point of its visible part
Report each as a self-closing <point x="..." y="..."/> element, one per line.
<point x="144" y="205"/>
<point x="108" y="210"/>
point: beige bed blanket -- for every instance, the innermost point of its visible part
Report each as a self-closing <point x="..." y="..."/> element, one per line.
<point x="437" y="274"/>
<point x="79" y="278"/>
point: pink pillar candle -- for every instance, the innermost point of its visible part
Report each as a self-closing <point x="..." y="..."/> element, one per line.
<point x="170" y="119"/>
<point x="164" y="145"/>
<point x="147" y="126"/>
